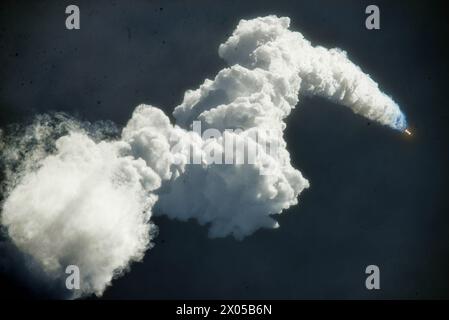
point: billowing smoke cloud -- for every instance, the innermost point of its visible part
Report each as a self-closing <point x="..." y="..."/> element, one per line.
<point x="270" y="66"/>
<point x="79" y="199"/>
<point x="85" y="204"/>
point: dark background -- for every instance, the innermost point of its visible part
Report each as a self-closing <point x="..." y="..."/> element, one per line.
<point x="376" y="196"/>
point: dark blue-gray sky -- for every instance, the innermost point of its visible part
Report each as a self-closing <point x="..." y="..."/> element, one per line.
<point x="375" y="196"/>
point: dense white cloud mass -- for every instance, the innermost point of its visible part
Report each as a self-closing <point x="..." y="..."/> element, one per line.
<point x="270" y="66"/>
<point x="88" y="202"/>
<point x="86" y="205"/>
<point x="294" y="64"/>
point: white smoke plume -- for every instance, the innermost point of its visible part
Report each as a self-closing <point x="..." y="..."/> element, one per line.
<point x="89" y="203"/>
<point x="270" y="66"/>
<point x="85" y="204"/>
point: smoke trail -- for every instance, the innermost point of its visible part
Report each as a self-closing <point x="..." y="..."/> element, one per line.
<point x="88" y="201"/>
<point x="270" y="66"/>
